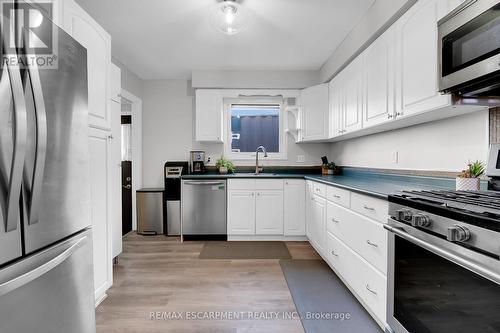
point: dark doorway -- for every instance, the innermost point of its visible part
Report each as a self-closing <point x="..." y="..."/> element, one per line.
<point x="126" y="176"/>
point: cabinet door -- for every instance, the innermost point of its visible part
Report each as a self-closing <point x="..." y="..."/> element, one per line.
<point x="97" y="41"/>
<point x="417" y="71"/>
<point x="241" y="212"/>
<point x="352" y="96"/>
<point x="115" y="84"/>
<point x="115" y="176"/>
<point x="336" y="106"/>
<point x="379" y="93"/>
<point x="314" y="104"/>
<point x="99" y="146"/>
<point x="309" y="210"/>
<point x="319" y="219"/>
<point x="294" y="208"/>
<point x="209" y="113"/>
<point x="269" y="212"/>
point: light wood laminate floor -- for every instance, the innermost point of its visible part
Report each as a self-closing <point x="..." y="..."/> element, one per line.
<point x="159" y="274"/>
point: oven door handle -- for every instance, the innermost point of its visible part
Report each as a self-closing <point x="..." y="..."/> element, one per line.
<point x="493" y="276"/>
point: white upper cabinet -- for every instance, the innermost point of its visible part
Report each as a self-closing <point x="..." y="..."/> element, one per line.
<point x="314" y="106"/>
<point x="336" y="106"/>
<point x="417" y="59"/>
<point x="97" y="41"/>
<point x="379" y="93"/>
<point x="209" y="115"/>
<point x="353" y="97"/>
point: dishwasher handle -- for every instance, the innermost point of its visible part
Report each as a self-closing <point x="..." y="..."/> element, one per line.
<point x="204" y="183"/>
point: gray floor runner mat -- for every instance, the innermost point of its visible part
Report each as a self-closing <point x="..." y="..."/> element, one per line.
<point x="316" y="290"/>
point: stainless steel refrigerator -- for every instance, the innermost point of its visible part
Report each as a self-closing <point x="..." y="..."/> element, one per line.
<point x="46" y="275"/>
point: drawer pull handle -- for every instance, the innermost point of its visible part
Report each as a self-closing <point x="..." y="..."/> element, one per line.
<point x="334" y="254"/>
<point x="371" y="209"/>
<point x="335" y="220"/>
<point x="370" y="243"/>
<point x="336" y="196"/>
<point x="371" y="290"/>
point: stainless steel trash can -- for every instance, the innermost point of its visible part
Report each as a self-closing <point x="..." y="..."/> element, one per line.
<point x="150" y="211"/>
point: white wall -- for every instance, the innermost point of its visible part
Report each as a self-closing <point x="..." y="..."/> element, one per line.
<point x="246" y="79"/>
<point x="445" y="145"/>
<point x="168" y="131"/>
<point x="129" y="80"/>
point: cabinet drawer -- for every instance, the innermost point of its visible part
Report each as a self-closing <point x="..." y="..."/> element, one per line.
<point x="366" y="237"/>
<point x="319" y="189"/>
<point x="241" y="184"/>
<point x="374" y="208"/>
<point x="339" y="196"/>
<point x="367" y="282"/>
<point x="269" y="184"/>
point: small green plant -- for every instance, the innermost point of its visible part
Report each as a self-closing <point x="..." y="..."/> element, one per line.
<point x="474" y="170"/>
<point x="331" y="166"/>
<point x="223" y="163"/>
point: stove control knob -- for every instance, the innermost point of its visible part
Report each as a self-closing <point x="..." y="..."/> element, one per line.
<point x="404" y="215"/>
<point x="458" y="233"/>
<point x="421" y="220"/>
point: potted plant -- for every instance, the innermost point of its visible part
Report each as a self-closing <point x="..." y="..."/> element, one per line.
<point x="469" y="179"/>
<point x="328" y="169"/>
<point x="225" y="166"/>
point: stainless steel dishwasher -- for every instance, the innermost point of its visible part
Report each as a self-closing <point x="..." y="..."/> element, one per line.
<point x="203" y="209"/>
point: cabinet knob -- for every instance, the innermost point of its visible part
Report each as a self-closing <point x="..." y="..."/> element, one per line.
<point x="335" y="220"/>
<point x="334" y="254"/>
<point x="390" y="116"/>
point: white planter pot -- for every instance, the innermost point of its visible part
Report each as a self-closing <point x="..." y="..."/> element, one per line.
<point x="468" y="184"/>
<point x="223" y="170"/>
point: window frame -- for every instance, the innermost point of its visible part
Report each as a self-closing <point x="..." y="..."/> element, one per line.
<point x="249" y="100"/>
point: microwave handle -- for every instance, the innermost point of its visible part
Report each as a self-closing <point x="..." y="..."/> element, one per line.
<point x="445" y="254"/>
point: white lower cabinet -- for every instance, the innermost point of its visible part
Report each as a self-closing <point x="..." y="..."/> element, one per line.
<point x="318" y="211"/>
<point x="347" y="231"/>
<point x="99" y="146"/>
<point x="256" y="207"/>
<point x="294" y="207"/>
<point x="269" y="212"/>
<point x="368" y="283"/>
<point x="241" y="212"/>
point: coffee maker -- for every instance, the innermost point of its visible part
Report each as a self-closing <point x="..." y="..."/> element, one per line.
<point x="197" y="162"/>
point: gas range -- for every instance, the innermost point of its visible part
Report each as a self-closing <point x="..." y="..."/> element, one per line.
<point x="468" y="218"/>
<point x="443" y="270"/>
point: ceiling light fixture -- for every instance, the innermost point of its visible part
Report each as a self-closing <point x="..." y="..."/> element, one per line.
<point x="229" y="18"/>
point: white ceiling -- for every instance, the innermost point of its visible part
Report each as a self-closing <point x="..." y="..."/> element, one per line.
<point x="159" y="39"/>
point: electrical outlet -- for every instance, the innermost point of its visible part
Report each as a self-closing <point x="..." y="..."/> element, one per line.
<point x="301" y="158"/>
<point x="395" y="157"/>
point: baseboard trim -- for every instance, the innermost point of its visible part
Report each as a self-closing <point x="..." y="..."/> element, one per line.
<point x="266" y="238"/>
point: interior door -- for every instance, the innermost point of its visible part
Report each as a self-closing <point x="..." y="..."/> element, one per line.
<point x="56" y="169"/>
<point x="12" y="151"/>
<point x="126" y="179"/>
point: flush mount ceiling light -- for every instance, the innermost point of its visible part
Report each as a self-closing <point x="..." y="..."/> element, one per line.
<point x="229" y="18"/>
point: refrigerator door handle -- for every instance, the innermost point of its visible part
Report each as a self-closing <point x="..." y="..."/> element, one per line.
<point x="19" y="149"/>
<point x="35" y="187"/>
<point x="40" y="270"/>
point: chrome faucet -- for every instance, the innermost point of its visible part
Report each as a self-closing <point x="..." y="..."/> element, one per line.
<point x="257" y="169"/>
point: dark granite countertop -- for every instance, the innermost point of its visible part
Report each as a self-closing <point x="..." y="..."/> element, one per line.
<point x="379" y="185"/>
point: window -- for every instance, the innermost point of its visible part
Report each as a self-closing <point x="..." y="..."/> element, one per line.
<point x="254" y="122"/>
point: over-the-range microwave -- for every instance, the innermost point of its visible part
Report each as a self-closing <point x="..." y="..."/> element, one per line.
<point x="469" y="50"/>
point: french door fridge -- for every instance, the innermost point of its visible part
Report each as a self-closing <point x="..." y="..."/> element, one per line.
<point x="46" y="282"/>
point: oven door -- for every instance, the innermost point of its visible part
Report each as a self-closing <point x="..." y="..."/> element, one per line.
<point x="470" y="47"/>
<point x="435" y="286"/>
